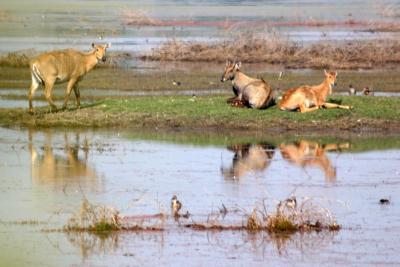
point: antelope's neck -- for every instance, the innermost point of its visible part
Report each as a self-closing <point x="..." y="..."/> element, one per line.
<point x="324" y="89"/>
<point x="241" y="80"/>
<point x="90" y="60"/>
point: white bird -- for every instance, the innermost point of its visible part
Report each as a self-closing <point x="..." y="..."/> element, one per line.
<point x="291" y="202"/>
<point x="175" y="206"/>
<point x="352" y="90"/>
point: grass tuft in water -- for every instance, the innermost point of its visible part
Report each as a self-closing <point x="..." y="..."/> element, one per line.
<point x="254" y="223"/>
<point x="280" y="224"/>
<point x="94" y="218"/>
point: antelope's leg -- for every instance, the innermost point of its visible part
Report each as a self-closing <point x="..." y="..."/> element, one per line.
<point x="70" y="85"/>
<point x="32" y="90"/>
<point x="304" y="109"/>
<point x="77" y="95"/>
<point x="232" y="99"/>
<point x="48" y="88"/>
<point x="332" y="105"/>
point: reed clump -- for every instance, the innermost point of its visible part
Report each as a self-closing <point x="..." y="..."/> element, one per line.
<point x="272" y="48"/>
<point x="94" y="218"/>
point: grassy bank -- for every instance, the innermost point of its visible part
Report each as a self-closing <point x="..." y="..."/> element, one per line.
<point x="369" y="114"/>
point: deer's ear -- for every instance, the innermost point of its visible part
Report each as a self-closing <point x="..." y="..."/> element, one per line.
<point x="108" y="45"/>
<point x="93" y="45"/>
<point x="238" y="65"/>
<point x="335" y="73"/>
<point x="326" y="73"/>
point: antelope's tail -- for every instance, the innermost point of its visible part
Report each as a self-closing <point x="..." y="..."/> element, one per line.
<point x="36" y="74"/>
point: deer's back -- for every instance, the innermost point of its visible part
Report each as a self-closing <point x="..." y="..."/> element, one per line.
<point x="62" y="63"/>
<point x="259" y="94"/>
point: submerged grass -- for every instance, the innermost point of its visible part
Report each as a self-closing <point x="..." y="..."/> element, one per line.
<point x="305" y="217"/>
<point x="369" y="113"/>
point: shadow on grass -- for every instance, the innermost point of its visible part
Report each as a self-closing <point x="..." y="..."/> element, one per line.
<point x="49" y="110"/>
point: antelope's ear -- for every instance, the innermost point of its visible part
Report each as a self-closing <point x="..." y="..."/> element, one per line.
<point x="238" y="65"/>
<point x="93" y="45"/>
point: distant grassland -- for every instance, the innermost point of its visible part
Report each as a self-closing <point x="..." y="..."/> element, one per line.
<point x="274" y="49"/>
<point x="374" y="114"/>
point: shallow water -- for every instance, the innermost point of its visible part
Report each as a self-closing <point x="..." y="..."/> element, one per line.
<point x="47" y="174"/>
<point x="46" y="25"/>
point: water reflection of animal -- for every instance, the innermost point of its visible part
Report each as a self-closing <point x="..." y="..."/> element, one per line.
<point x="307" y="153"/>
<point x="50" y="166"/>
<point x="249" y="158"/>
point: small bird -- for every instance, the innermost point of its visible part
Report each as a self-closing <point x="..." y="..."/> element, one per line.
<point x="291" y="202"/>
<point x="176" y="83"/>
<point x="352" y="90"/>
<point x="223" y="210"/>
<point x="368" y="91"/>
<point x="384" y="201"/>
<point x="175" y="206"/>
<point x="280" y="75"/>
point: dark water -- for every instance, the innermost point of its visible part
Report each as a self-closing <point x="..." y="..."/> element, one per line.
<point x="47" y="174"/>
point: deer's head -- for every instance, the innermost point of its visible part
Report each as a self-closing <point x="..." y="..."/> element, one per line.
<point x="230" y="70"/>
<point x="100" y="51"/>
<point x="331" y="77"/>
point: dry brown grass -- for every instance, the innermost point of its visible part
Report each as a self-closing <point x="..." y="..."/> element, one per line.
<point x="389" y="10"/>
<point x="18" y="59"/>
<point x="138" y="18"/>
<point x="21" y="59"/>
<point x="274" y="49"/>
<point x="5" y="16"/>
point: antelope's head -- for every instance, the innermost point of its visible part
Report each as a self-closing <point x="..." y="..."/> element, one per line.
<point x="100" y="51"/>
<point x="230" y="70"/>
<point x="330" y="77"/>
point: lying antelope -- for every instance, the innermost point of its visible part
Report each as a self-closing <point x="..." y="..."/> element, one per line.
<point x="63" y="66"/>
<point x="250" y="92"/>
<point x="309" y="98"/>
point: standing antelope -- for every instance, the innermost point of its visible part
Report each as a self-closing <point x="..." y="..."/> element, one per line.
<point x="250" y="92"/>
<point x="63" y="66"/>
<point x="309" y="98"/>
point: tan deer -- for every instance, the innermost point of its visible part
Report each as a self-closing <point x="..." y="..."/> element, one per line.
<point x="250" y="92"/>
<point x="249" y="158"/>
<point x="311" y="154"/>
<point x="63" y="66"/>
<point x="309" y="98"/>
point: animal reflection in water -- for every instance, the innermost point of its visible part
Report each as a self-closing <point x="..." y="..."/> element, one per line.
<point x="60" y="165"/>
<point x="312" y="154"/>
<point x="248" y="158"/>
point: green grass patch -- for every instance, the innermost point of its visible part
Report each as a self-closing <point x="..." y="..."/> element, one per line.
<point x="372" y="113"/>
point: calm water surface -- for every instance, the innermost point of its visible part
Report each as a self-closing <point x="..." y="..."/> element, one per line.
<point x="47" y="174"/>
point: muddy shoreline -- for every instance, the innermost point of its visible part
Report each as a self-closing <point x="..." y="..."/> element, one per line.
<point x="92" y="118"/>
